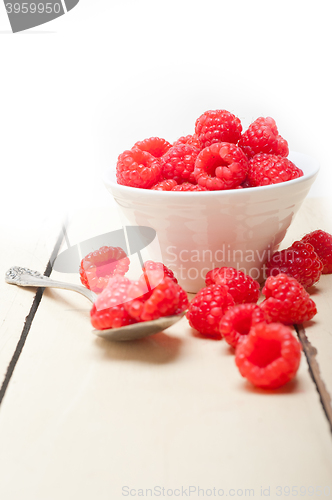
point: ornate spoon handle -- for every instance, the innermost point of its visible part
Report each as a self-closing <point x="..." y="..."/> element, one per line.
<point x="22" y="276"/>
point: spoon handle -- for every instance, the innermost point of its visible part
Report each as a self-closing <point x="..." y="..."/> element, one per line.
<point x="22" y="276"/>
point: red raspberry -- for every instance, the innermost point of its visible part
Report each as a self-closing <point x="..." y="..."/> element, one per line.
<point x="97" y="267"/>
<point x="287" y="301"/>
<point x="218" y="126"/>
<point x="187" y="186"/>
<point x="150" y="265"/>
<point x="159" y="296"/>
<point x="165" y="185"/>
<point x="156" y="146"/>
<point x="237" y="321"/>
<point x="191" y="140"/>
<point x="269" y="356"/>
<point x="241" y="286"/>
<point x="246" y="183"/>
<point x="207" y="308"/>
<point x="183" y="301"/>
<point x="262" y="136"/>
<point x="267" y="169"/>
<point x="221" y="166"/>
<point x="322" y="243"/>
<point x="108" y="311"/>
<point x="137" y="168"/>
<point x="299" y="261"/>
<point x="179" y="163"/>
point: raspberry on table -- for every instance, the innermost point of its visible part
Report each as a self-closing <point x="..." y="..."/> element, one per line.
<point x="165" y="185"/>
<point x="150" y="265"/>
<point x="217" y="126"/>
<point x="238" y="320"/>
<point x="188" y="186"/>
<point x="269" y="356"/>
<point x="108" y="311"/>
<point x="99" y="266"/>
<point x="287" y="301"/>
<point x="191" y="140"/>
<point x="241" y="286"/>
<point x="154" y="297"/>
<point x="137" y="168"/>
<point x="322" y="243"/>
<point x="265" y="169"/>
<point x="262" y="136"/>
<point x="156" y="146"/>
<point x="221" y="166"/>
<point x="178" y="163"/>
<point x="207" y="308"/>
<point x="299" y="261"/>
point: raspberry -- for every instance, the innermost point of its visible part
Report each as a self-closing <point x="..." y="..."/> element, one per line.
<point x="207" y="308"/>
<point x="165" y="185"/>
<point x="287" y="301"/>
<point x="150" y="265"/>
<point x="159" y="296"/>
<point x="187" y="186"/>
<point x="267" y="169"/>
<point x="217" y="126"/>
<point x="137" y="168"/>
<point x="237" y="321"/>
<point x="97" y="267"/>
<point x="156" y="146"/>
<point x="191" y="140"/>
<point x="108" y="311"/>
<point x="183" y="301"/>
<point x="269" y="356"/>
<point x="221" y="166"/>
<point x="246" y="183"/>
<point x="179" y="163"/>
<point x="322" y="243"/>
<point x="262" y="137"/>
<point x="299" y="261"/>
<point x="241" y="286"/>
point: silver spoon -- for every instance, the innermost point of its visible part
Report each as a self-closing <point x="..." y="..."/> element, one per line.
<point x="22" y="276"/>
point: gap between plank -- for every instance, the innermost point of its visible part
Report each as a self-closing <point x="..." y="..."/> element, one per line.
<point x="30" y="316"/>
<point x="310" y="353"/>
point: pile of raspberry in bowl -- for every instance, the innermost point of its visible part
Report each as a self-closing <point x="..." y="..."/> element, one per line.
<point x="219" y="155"/>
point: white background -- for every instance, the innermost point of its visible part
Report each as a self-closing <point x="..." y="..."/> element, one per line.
<point x="79" y="90"/>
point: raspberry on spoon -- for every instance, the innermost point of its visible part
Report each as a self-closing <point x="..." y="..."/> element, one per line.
<point x="99" y="266"/>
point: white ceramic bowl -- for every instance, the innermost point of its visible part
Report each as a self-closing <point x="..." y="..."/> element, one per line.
<point x="198" y="231"/>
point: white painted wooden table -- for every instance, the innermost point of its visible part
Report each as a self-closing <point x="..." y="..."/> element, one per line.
<point x="167" y="416"/>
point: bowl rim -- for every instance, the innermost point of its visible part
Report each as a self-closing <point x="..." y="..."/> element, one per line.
<point x="110" y="173"/>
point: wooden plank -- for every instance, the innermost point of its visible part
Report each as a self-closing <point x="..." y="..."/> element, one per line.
<point x="29" y="245"/>
<point x="86" y="418"/>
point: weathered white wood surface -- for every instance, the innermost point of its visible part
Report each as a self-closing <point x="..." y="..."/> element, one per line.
<point x="29" y="244"/>
<point x="85" y="418"/>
